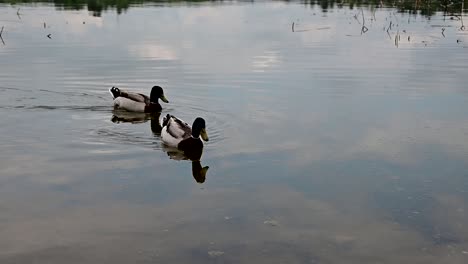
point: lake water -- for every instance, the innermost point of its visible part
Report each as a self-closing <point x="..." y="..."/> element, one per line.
<point x="327" y="144"/>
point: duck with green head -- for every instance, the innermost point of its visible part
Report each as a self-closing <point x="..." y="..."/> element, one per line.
<point x="137" y="102"/>
<point x="178" y="134"/>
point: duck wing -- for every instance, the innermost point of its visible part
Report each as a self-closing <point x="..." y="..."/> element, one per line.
<point x="129" y="105"/>
<point x="137" y="97"/>
<point x="177" y="128"/>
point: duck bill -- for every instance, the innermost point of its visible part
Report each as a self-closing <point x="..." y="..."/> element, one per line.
<point x="204" y="135"/>
<point x="164" y="99"/>
<point x="203" y="174"/>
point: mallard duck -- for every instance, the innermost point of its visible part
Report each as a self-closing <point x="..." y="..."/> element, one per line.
<point x="137" y="102"/>
<point x="178" y="134"/>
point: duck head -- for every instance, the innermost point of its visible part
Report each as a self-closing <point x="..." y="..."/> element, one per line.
<point x="199" y="129"/>
<point x="157" y="93"/>
<point x="199" y="172"/>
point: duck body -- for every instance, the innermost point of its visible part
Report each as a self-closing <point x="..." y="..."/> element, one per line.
<point x="178" y="134"/>
<point x="137" y="102"/>
<point x="174" y="131"/>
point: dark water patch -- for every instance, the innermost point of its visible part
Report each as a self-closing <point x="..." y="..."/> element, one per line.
<point x="52" y="254"/>
<point x="415" y="201"/>
<point x="64" y="93"/>
<point x="96" y="108"/>
<point x="416" y="211"/>
<point x="12" y="88"/>
<point x="118" y="135"/>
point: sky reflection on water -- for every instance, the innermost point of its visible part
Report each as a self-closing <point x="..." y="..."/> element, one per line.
<point x="326" y="146"/>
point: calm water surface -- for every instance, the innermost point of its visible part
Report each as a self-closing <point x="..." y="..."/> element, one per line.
<point x="326" y="146"/>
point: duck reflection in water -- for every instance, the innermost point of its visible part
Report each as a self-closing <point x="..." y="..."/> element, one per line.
<point x="122" y="116"/>
<point x="198" y="171"/>
<point x="194" y="155"/>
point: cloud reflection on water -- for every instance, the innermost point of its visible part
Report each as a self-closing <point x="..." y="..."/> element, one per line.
<point x="354" y="147"/>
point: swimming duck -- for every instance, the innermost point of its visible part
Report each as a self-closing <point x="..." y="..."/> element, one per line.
<point x="137" y="102"/>
<point x="178" y="134"/>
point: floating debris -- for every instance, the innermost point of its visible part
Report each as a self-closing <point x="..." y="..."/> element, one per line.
<point x="227" y="218"/>
<point x="215" y="253"/>
<point x="49" y="36"/>
<point x="271" y="222"/>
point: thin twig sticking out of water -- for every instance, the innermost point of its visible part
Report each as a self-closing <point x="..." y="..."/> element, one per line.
<point x="293" y="28"/>
<point x="397" y="38"/>
<point x="1" y="32"/>
<point x="364" y="29"/>
<point x="18" y="13"/>
<point x="355" y="17"/>
<point x="461" y="16"/>
<point x="443" y="29"/>
<point x="388" y="29"/>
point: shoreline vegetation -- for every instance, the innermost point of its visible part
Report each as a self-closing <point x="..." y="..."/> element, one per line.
<point x="422" y="7"/>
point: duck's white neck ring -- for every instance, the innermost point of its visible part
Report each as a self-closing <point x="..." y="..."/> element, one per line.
<point x="194" y="137"/>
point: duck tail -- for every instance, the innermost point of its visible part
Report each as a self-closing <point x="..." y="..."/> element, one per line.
<point x="166" y="120"/>
<point x="114" y="91"/>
